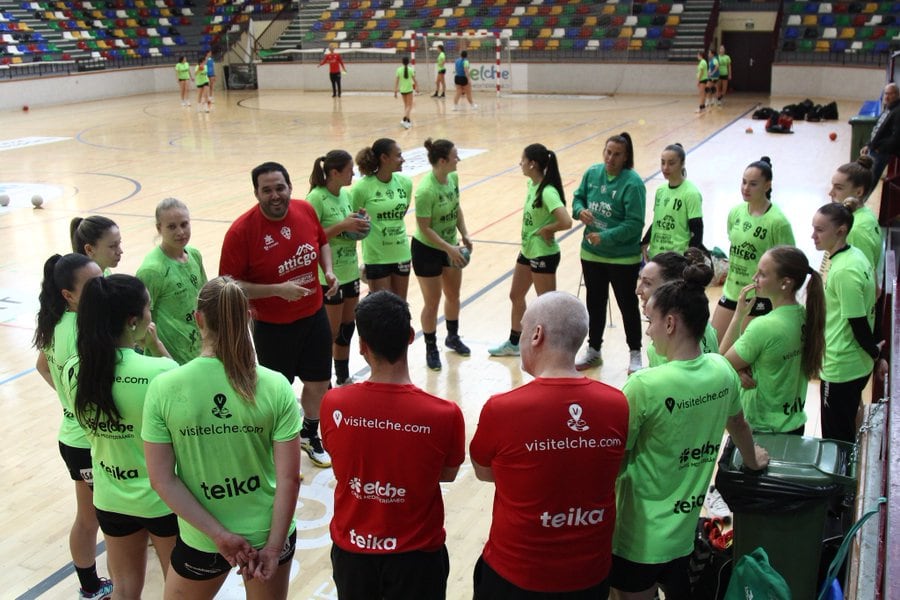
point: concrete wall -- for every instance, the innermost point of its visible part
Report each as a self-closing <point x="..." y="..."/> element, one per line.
<point x="839" y="83"/>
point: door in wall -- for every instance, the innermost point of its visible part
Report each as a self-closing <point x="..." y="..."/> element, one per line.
<point x="752" y="54"/>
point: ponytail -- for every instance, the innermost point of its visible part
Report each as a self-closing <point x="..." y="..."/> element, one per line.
<point x="624" y="138"/>
<point x="546" y="161"/>
<point x="335" y="160"/>
<point x="226" y="316"/>
<point x="59" y="274"/>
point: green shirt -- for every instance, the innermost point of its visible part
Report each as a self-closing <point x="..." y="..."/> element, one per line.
<point x="672" y="209"/>
<point x="702" y="70"/>
<point x="183" y="70"/>
<point x="750" y="237"/>
<point x="533" y="219"/>
<point x="724" y="65"/>
<point x="121" y="482"/>
<point x="173" y="287"/>
<point x="866" y="235"/>
<point x="331" y="210"/>
<point x="61" y="349"/>
<point x="618" y="206"/>
<point x="773" y="346"/>
<point x="405" y="85"/>
<point x="223" y="444"/>
<point x="386" y="204"/>
<point x="439" y="202"/>
<point x="441" y="59"/>
<point x="709" y="344"/>
<point x="849" y="293"/>
<point x="200" y="75"/>
<point x="677" y="413"/>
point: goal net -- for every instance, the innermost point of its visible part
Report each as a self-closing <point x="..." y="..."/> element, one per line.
<point x="489" y="56"/>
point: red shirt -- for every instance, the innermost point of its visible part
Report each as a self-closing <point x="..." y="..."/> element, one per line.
<point x="257" y="250"/>
<point x="388" y="445"/>
<point x="555" y="447"/>
<point x="334" y="61"/>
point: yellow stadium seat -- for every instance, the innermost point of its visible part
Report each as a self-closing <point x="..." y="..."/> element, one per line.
<point x="546" y="32"/>
<point x="626" y="32"/>
<point x="590" y="21"/>
<point x="527" y="44"/>
<point x="823" y="46"/>
<point x="810" y="20"/>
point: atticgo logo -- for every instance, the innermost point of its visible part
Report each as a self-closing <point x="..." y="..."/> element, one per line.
<point x="372" y="542"/>
<point x="574" y="517"/>
<point x="117" y="472"/>
<point x="219" y="410"/>
<point x="305" y="256"/>
<point x="386" y="493"/>
<point x="231" y="488"/>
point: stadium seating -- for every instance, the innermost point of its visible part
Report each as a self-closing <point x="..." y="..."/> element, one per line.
<point x="839" y="28"/>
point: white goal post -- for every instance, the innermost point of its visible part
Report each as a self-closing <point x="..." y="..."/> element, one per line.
<point x="487" y="70"/>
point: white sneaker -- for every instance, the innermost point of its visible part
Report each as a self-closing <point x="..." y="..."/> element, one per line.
<point x="715" y="504"/>
<point x="474" y="107"/>
<point x="634" y="362"/>
<point x="455" y="107"/>
<point x="589" y="359"/>
<point x="316" y="452"/>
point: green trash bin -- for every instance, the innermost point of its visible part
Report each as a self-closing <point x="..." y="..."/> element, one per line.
<point x="861" y="126"/>
<point x="784" y="508"/>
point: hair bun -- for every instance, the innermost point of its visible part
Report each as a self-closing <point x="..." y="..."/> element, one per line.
<point x="865" y="161"/>
<point x="766" y="160"/>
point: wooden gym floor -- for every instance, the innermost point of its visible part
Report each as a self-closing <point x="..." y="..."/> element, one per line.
<point x="120" y="157"/>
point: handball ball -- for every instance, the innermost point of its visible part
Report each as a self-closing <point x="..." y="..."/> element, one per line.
<point x="466" y="254"/>
<point x="37" y="200"/>
<point x="358" y="235"/>
<point x="4" y="200"/>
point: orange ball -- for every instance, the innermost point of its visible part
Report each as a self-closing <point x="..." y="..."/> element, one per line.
<point x="748" y="130"/>
<point x="25" y="108"/>
<point x="832" y="136"/>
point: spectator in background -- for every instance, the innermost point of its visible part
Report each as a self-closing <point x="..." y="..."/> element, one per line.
<point x="885" y="140"/>
<point x="335" y="66"/>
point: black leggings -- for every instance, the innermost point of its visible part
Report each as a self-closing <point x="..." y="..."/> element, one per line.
<point x="840" y="402"/>
<point x="597" y="279"/>
<point x="335" y="83"/>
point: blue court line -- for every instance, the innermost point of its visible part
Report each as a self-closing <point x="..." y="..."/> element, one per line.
<point x="17" y="375"/>
<point x="50" y="582"/>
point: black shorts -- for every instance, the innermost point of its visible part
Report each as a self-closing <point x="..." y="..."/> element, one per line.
<point x="346" y="290"/>
<point x="490" y="585"/>
<point x="461" y="80"/>
<point x="381" y="271"/>
<point x="78" y="461"/>
<point x="299" y="349"/>
<point x="762" y="306"/>
<point x="195" y="565"/>
<point x="416" y="574"/>
<point x="116" y="524"/>
<point x="441" y="71"/>
<point x="428" y="261"/>
<point x="202" y="85"/>
<point x="540" y="264"/>
<point x="703" y="81"/>
<point x="673" y="577"/>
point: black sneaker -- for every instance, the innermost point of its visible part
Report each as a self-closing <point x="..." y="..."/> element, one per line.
<point x="432" y="357"/>
<point x="454" y="343"/>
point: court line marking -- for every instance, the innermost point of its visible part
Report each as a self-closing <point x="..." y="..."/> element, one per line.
<point x="62" y="573"/>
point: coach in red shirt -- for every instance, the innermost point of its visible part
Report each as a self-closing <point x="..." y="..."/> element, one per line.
<point x="274" y="251"/>
<point x="392" y="444"/>
<point x="335" y="66"/>
<point x="553" y="448"/>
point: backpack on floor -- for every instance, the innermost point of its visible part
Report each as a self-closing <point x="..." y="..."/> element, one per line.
<point x="711" y="560"/>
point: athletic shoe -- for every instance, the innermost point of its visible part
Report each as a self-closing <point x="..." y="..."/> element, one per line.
<point x="589" y="359"/>
<point x="455" y="107"/>
<point x="432" y="357"/>
<point x="507" y="348"/>
<point x="104" y="593"/>
<point x="317" y="454"/>
<point x="435" y="95"/>
<point x="715" y="504"/>
<point x="634" y="363"/>
<point x="442" y="96"/>
<point x="454" y="343"/>
<point x="474" y="107"/>
<point x="338" y="382"/>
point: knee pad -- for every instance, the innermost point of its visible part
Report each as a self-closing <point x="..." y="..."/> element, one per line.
<point x="345" y="333"/>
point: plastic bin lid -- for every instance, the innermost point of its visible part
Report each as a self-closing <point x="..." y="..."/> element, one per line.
<point x="804" y="460"/>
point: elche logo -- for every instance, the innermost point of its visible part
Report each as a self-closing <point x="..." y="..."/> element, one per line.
<point x="219" y="409"/>
<point x="231" y="488"/>
<point x="117" y="472"/>
<point x="574" y="517"/>
<point x="376" y="490"/>
<point x="697" y="456"/>
<point x="338" y="416"/>
<point x="286" y="232"/>
<point x="576" y="423"/>
<point x="107" y="427"/>
<point x="372" y="542"/>
<point x="745" y="226"/>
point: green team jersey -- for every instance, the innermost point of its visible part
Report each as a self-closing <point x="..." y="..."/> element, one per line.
<point x="724" y="65"/>
<point x="331" y="210"/>
<point x="173" y="287"/>
<point x="677" y="413"/>
<point x="866" y="235"/>
<point x="386" y="204"/>
<point x="405" y="84"/>
<point x="773" y="345"/>
<point x="183" y="70"/>
<point x="200" y="75"/>
<point x="441" y="59"/>
<point x="223" y="444"/>
<point x="618" y="206"/>
<point x="750" y="237"/>
<point x="121" y="482"/>
<point x="702" y="70"/>
<point x="439" y="202"/>
<point x="709" y="344"/>
<point x="849" y="293"/>
<point x="62" y="349"/>
<point x="672" y="209"/>
<point x="533" y="219"/>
